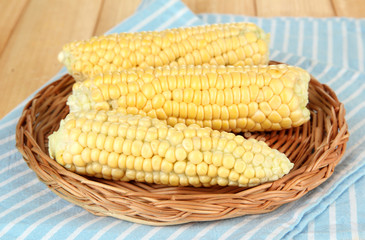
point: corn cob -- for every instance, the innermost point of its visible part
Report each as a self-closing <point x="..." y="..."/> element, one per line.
<point x="238" y="99"/>
<point x="243" y="43"/>
<point x="113" y="145"/>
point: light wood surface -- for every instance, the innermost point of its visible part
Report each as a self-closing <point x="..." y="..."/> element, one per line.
<point x="33" y="31"/>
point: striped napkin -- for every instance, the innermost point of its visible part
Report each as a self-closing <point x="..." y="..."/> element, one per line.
<point x="332" y="49"/>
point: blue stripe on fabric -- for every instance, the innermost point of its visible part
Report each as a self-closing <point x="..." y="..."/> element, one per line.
<point x="321" y="207"/>
<point x="11" y="165"/>
<point x="178" y="20"/>
<point x="321" y="228"/>
<point x="153" y="10"/>
<point x="295" y="37"/>
<point x="346" y="90"/>
<point x="50" y="219"/>
<point x="360" y="220"/>
<point x="338" y="83"/>
<point x="272" y="31"/>
<point x="341" y="229"/>
<point x="110" y="232"/>
<point x="11" y="196"/>
<point x="344" y="45"/>
<point x="224" y="19"/>
<point x="322" y="41"/>
<point x="6" y="141"/>
<point x="338" y="44"/>
<point x="194" y="22"/>
<point x="88" y="229"/>
<point x="73" y="225"/>
<point x="59" y="213"/>
<point x="204" y="18"/>
<point x="9" y="124"/>
<point x="52" y="231"/>
<point x="18" y="205"/>
<point x="13" y="174"/>
<point x="28" y="217"/>
<point x="360" y="36"/>
<point x="307" y="41"/>
<point x="25" y="175"/>
<point x="318" y="210"/>
<point x="315" y="39"/>
<point x="10" y="218"/>
<point x="330" y="52"/>
<point x="169" y="231"/>
<point x="139" y="232"/>
<point x="144" y="4"/>
<point x="159" y="17"/>
<point x="286" y="35"/>
<point x="352" y="55"/>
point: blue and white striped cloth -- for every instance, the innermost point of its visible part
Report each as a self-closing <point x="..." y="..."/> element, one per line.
<point x="332" y="49"/>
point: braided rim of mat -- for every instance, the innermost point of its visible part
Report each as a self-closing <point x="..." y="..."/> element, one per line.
<point x="315" y="148"/>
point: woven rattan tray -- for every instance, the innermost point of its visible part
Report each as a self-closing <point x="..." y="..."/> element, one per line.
<point x="315" y="148"/>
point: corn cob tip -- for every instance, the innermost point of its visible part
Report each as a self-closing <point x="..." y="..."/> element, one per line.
<point x="57" y="142"/>
<point x="66" y="59"/>
<point x="301" y="90"/>
<point x="61" y="57"/>
<point x="80" y="100"/>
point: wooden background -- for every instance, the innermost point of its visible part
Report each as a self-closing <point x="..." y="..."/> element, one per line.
<point x="32" y="32"/>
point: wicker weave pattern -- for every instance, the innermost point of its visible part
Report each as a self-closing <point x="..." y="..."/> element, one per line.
<point x="315" y="148"/>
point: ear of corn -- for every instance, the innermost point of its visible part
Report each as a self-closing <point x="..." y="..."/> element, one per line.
<point x="238" y="99"/>
<point x="233" y="43"/>
<point x="113" y="145"/>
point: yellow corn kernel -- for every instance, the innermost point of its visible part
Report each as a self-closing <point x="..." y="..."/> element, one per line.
<point x="170" y="155"/>
<point x="195" y="157"/>
<point x="228" y="161"/>
<point x="223" y="173"/>
<point x="190" y="169"/>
